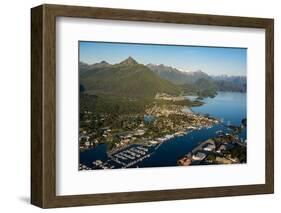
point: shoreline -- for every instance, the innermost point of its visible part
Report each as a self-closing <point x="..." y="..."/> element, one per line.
<point x="178" y="115"/>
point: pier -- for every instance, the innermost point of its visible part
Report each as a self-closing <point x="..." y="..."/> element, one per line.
<point x="129" y="156"/>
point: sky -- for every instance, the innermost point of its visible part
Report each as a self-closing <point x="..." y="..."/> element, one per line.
<point x="211" y="60"/>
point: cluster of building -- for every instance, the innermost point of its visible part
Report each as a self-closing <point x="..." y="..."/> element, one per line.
<point x="129" y="137"/>
<point x="84" y="167"/>
<point x="165" y="110"/>
<point x="167" y="97"/>
<point x="214" y="151"/>
<point x="174" y="120"/>
<point x="99" y="164"/>
<point x="165" y="122"/>
<point x="87" y="140"/>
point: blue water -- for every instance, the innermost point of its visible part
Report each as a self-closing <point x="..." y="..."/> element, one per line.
<point x="90" y="155"/>
<point x="230" y="107"/>
<point x="170" y="151"/>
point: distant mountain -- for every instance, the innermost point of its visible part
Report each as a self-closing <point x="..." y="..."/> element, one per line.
<point x="99" y="65"/>
<point x="176" y="76"/>
<point x="129" y="61"/>
<point x="235" y="79"/>
<point x="168" y="73"/>
<point x="202" y="87"/>
<point x="231" y="83"/>
<point x="128" y="78"/>
<point x="191" y="81"/>
<point x="194" y="76"/>
<point x="84" y="67"/>
<point x="208" y="87"/>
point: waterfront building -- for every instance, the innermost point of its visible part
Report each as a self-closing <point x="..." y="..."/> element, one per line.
<point x="209" y="147"/>
<point x="199" y="156"/>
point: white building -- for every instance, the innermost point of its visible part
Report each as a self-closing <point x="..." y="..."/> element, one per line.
<point x="209" y="147"/>
<point x="199" y="156"/>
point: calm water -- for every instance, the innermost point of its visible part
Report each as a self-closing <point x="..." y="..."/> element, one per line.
<point x="230" y="107"/>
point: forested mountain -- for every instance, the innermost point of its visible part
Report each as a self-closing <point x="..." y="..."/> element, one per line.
<point x="83" y="67"/>
<point x="231" y="83"/>
<point x="176" y="76"/>
<point x="192" y="80"/>
<point x="127" y="78"/>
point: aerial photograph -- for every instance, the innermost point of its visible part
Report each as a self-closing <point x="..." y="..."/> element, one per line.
<point x="156" y="105"/>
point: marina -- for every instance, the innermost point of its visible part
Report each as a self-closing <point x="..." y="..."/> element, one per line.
<point x="168" y="149"/>
<point x="125" y="158"/>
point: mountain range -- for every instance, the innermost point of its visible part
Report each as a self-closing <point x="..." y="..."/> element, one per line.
<point x="130" y="78"/>
<point x="176" y="76"/>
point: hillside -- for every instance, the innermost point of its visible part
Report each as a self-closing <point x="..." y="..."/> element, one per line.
<point x="231" y="83"/>
<point x="200" y="82"/>
<point x="202" y="87"/>
<point x="127" y="78"/>
<point x="84" y="67"/>
<point x="168" y="73"/>
<point x="176" y="76"/>
<point x="131" y="79"/>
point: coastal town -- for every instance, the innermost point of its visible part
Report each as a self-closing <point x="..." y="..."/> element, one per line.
<point x="225" y="148"/>
<point x="157" y="124"/>
<point x="132" y="138"/>
<point x="136" y="113"/>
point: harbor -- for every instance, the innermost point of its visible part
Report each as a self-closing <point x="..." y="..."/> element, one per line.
<point x="168" y="149"/>
<point x="125" y="158"/>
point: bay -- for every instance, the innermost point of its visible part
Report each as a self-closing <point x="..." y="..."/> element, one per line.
<point x="229" y="107"/>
